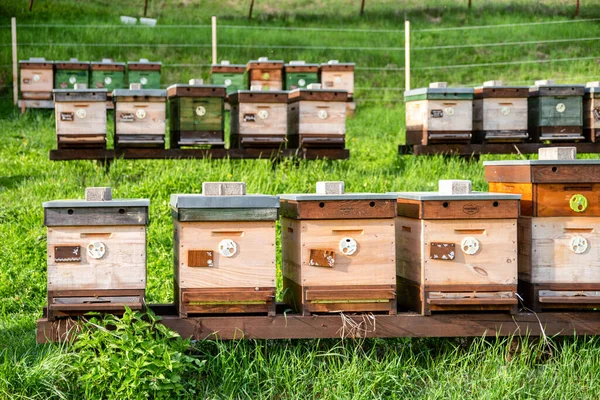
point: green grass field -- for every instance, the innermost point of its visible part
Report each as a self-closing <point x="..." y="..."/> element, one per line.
<point x="149" y="363"/>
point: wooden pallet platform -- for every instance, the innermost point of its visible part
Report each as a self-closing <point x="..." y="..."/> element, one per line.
<point x="491" y="148"/>
<point x="154" y="153"/>
<point x="294" y="326"/>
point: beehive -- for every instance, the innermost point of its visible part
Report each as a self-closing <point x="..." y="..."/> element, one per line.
<point x="500" y="113"/>
<point x="555" y="111"/>
<point x="456" y="249"/>
<point x="145" y="72"/>
<point x="317" y="117"/>
<point x="196" y="114"/>
<point x="439" y="114"/>
<point x="338" y="251"/>
<point x="96" y="254"/>
<point x="258" y="119"/>
<point x="107" y="74"/>
<point x="559" y="241"/>
<point x="591" y="112"/>
<point x="224" y="250"/>
<point x="335" y="75"/>
<point x="140" y="116"/>
<point x="69" y="73"/>
<point x="37" y="79"/>
<point x="265" y="74"/>
<point x="299" y="74"/>
<point x="232" y="76"/>
<point x="80" y="117"/>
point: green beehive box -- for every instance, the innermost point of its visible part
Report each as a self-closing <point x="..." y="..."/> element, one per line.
<point x="196" y="114"/>
<point x="68" y="73"/>
<point x="555" y="111"/>
<point x="232" y="76"/>
<point x="145" y="72"/>
<point x="591" y="111"/>
<point x="299" y="75"/>
<point x="107" y="74"/>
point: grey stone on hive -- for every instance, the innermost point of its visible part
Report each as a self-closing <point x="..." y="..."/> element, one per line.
<point x="454" y="186"/>
<point x="196" y="82"/>
<point x="557" y="153"/>
<point x="438" y="85"/>
<point x="313" y="86"/>
<point x="79" y="86"/>
<point x="593" y="84"/>
<point x="331" y="187"/>
<point x="98" y="194"/>
<point x="135" y="86"/>
<point x="493" y="83"/>
<point x="223" y="188"/>
<point x="545" y="82"/>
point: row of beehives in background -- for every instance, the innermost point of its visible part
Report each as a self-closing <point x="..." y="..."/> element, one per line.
<point x="495" y="113"/>
<point x="535" y="234"/>
<point x="40" y="76"/>
<point x="301" y="118"/>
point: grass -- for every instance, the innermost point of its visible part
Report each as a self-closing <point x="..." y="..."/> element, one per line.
<point x="400" y="368"/>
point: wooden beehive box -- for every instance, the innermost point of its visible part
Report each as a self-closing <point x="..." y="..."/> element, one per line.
<point x="335" y="75"/>
<point x="96" y="254"/>
<point x="591" y="112"/>
<point x="559" y="240"/>
<point x="456" y="249"/>
<point x="196" y="114"/>
<point x="145" y="72"/>
<point x="338" y="251"/>
<point x="258" y="119"/>
<point x="37" y="79"/>
<point x="500" y="113"/>
<point x="232" y="76"/>
<point x="224" y="250"/>
<point x="299" y="74"/>
<point x="439" y="114"/>
<point x="555" y="112"/>
<point x="69" y="73"/>
<point x="317" y="117"/>
<point x="80" y="117"/>
<point x="140" y="117"/>
<point x="265" y="74"/>
<point x="107" y="74"/>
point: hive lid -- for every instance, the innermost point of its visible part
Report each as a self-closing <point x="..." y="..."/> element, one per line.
<point x="335" y="65"/>
<point x="429" y="92"/>
<point x="36" y="60"/>
<point x="258" y="96"/>
<point x="139" y="93"/>
<point x="455" y="189"/>
<point x="592" y="87"/>
<point x="107" y="61"/>
<point x="72" y="63"/>
<point x="183" y="90"/>
<point x="335" y="191"/>
<point x="226" y="66"/>
<point x="98" y="197"/>
<point x="144" y="64"/>
<point x="317" y="95"/>
<point x="80" y="94"/>
<point x="301" y="66"/>
<point x="549" y="88"/>
<point x="264" y="62"/>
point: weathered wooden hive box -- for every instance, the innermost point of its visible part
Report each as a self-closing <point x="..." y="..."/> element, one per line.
<point x="258" y="119"/>
<point x="337" y="76"/>
<point x="69" y="73"/>
<point x="107" y="74"/>
<point x="456" y="249"/>
<point x="500" y="113"/>
<point x="96" y="254"/>
<point x="197" y="114"/>
<point x="232" y="76"/>
<point x="145" y="72"/>
<point x="317" y="117"/>
<point x="224" y="250"/>
<point x="140" y="116"/>
<point x="338" y="251"/>
<point x="559" y="240"/>
<point x="80" y="117"/>
<point x="439" y="114"/>
<point x="555" y="111"/>
<point x="37" y="79"/>
<point x="265" y="74"/>
<point x="299" y="74"/>
<point x="591" y="111"/>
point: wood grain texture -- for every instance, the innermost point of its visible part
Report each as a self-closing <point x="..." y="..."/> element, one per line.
<point x="127" y="122"/>
<point x="123" y="266"/>
<point x="68" y="123"/>
<point x="476" y="149"/>
<point x="423" y="114"/>
<point x="245" y="119"/>
<point x="553" y="200"/>
<point x="500" y="114"/>
<point x="526" y="204"/>
<point x="44" y="82"/>
<point x="341" y="80"/>
<point x="83" y="216"/>
<point x="304" y="118"/>
<point x="338" y="209"/>
<point x="458" y="209"/>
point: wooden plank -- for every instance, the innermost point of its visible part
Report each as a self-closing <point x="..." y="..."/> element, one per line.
<point x="470" y="301"/>
<point x="338" y="209"/>
<point x="81" y="216"/>
<point x="582" y="173"/>
<point x="469" y="150"/>
<point x="570" y="300"/>
<point x="554" y="200"/>
<point x="470" y="288"/>
<point x="228" y="295"/>
<point x="360" y="293"/>
<point x="469" y="209"/>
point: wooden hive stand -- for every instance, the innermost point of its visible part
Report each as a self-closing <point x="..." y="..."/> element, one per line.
<point x="69" y="73"/>
<point x="96" y="254"/>
<point x="591" y="112"/>
<point x="559" y="225"/>
<point x="224" y="251"/>
<point x="457" y="249"/>
<point x="145" y="72"/>
<point x="338" y="251"/>
<point x="265" y="74"/>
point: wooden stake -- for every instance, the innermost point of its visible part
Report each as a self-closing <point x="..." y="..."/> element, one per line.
<point x="362" y="7"/>
<point x="407" y="54"/>
<point x="469" y="4"/>
<point x="214" y="39"/>
<point x="577" y="9"/>
<point x="251" y="7"/>
<point x="145" y="7"/>
<point x="13" y="23"/>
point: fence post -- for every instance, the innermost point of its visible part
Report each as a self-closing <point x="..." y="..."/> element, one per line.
<point x="214" y="40"/>
<point x="407" y="54"/>
<point x="13" y="23"/>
